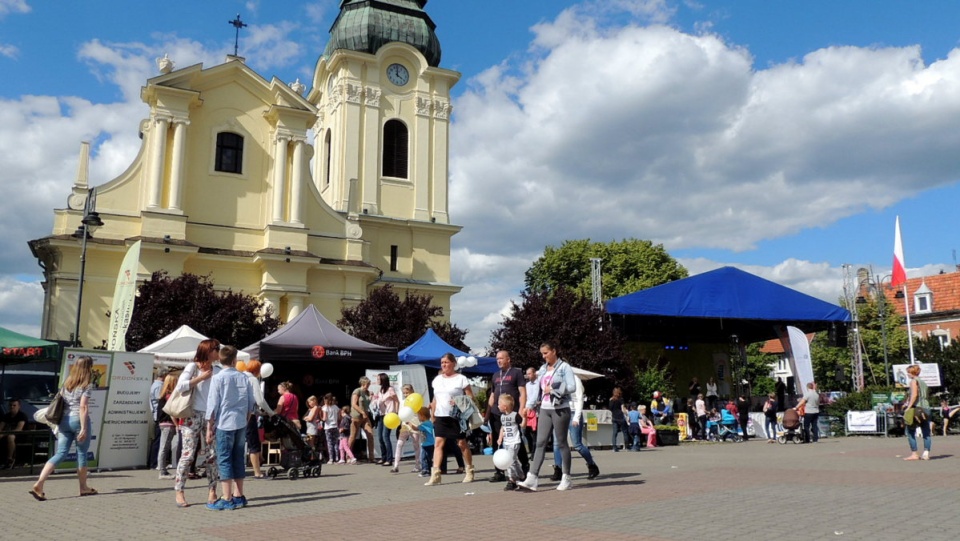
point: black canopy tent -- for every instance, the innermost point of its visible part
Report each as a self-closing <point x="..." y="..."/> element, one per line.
<point x="310" y="345"/>
<point x="311" y="337"/>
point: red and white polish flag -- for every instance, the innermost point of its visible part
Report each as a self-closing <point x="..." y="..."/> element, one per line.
<point x="899" y="268"/>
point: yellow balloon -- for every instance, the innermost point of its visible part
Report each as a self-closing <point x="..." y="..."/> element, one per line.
<point x="391" y="420"/>
<point x="241" y="366"/>
<point x="414" y="401"/>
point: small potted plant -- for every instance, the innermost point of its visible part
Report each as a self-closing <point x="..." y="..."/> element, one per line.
<point x="668" y="434"/>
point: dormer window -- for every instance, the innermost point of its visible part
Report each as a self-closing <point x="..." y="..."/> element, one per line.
<point x="229" y="153"/>
<point x="923" y="300"/>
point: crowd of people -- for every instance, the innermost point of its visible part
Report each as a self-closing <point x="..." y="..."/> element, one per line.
<point x="527" y="414"/>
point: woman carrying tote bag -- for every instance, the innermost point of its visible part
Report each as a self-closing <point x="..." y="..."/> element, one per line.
<point x="74" y="427"/>
<point x="196" y="380"/>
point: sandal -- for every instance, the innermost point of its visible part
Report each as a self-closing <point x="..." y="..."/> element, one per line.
<point x="91" y="492"/>
<point x="39" y="496"/>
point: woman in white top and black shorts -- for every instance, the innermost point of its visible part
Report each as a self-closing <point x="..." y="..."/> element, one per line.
<point x="447" y="386"/>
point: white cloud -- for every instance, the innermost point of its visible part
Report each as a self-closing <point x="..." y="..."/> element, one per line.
<point x="9" y="51"/>
<point x="13" y="6"/>
<point x="19" y="298"/>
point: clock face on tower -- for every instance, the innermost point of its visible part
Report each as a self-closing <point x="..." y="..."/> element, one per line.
<point x="397" y="74"/>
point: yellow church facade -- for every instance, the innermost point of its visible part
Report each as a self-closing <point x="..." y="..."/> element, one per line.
<point x="295" y="197"/>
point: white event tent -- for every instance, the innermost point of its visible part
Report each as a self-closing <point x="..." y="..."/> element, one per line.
<point x="178" y="348"/>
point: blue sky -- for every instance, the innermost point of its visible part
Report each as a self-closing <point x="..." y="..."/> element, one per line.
<point x="780" y="137"/>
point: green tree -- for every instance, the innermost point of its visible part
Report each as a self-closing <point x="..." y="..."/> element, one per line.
<point x="929" y="350"/>
<point x="871" y="330"/>
<point x="384" y="318"/>
<point x="164" y="304"/>
<point x="628" y="266"/>
<point x="758" y="369"/>
<point x="577" y="328"/>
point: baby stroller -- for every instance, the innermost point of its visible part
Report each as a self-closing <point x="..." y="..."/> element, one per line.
<point x="791" y="427"/>
<point x="296" y="457"/>
<point x="728" y="427"/>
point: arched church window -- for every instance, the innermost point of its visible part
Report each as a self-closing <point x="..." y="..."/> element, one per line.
<point x="229" y="153"/>
<point x="395" y="149"/>
<point x="326" y="158"/>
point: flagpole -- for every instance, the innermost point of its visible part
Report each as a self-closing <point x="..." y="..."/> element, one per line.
<point x="906" y="310"/>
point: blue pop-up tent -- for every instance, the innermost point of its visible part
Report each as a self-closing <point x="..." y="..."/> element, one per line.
<point x="430" y="347"/>
<point x="717" y="305"/>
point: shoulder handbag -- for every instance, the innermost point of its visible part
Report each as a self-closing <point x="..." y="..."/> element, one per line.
<point x="909" y="416"/>
<point x="179" y="406"/>
<point x="52" y="414"/>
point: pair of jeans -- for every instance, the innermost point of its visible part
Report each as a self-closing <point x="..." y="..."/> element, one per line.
<point x="231" y="455"/>
<point x="556" y="423"/>
<point x="924" y="429"/>
<point x="333" y="447"/>
<point x="770" y="427"/>
<point x="811" y="426"/>
<point x="576" y="436"/>
<point x="169" y="443"/>
<point x="67" y="433"/>
<point x="386" y="444"/>
<point x="620" y="425"/>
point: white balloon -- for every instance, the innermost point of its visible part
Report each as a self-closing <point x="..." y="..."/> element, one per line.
<point x="461" y="361"/>
<point x="406" y="414"/>
<point x="266" y="370"/>
<point x="502" y="459"/>
<point x="471" y="361"/>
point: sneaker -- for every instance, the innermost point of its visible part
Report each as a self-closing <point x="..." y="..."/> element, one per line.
<point x="511" y="485"/>
<point x="530" y="483"/>
<point x="424" y="474"/>
<point x="329" y="462"/>
<point x="165" y="475"/>
<point x="925" y="455"/>
<point x="394" y="470"/>
<point x="353" y="461"/>
<point x="221" y="505"/>
<point x="564" y="483"/>
<point x="341" y="461"/>
<point x="239" y="502"/>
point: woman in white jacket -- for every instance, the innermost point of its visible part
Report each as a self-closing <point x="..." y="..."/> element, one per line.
<point x="576" y="436"/>
<point x="557" y="386"/>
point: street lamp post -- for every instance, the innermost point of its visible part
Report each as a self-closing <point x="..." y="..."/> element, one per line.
<point x="90" y="222"/>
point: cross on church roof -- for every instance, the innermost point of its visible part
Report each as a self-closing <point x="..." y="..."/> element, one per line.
<point x="238" y="24"/>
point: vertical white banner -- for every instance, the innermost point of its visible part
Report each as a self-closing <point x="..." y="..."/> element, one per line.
<point x="125" y="434"/>
<point x="797" y="349"/>
<point x="124" y="295"/>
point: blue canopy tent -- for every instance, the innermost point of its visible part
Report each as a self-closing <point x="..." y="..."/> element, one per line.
<point x="430" y="347"/>
<point x="716" y="306"/>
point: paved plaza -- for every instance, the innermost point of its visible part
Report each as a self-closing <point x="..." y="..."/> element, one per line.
<point x="841" y="488"/>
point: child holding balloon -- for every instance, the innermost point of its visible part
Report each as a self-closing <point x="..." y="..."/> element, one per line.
<point x="408" y="430"/>
<point x="509" y="441"/>
<point x="426" y="439"/>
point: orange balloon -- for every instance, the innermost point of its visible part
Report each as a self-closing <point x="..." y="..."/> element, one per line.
<point x="241" y="366"/>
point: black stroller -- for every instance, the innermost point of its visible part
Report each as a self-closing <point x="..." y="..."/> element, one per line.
<point x="296" y="457"/>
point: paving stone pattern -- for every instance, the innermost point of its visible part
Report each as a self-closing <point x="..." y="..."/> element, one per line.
<point x="840" y="488"/>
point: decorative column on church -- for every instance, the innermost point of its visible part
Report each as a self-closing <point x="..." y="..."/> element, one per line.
<point x="296" y="183"/>
<point x="294" y="306"/>
<point x="176" y="176"/>
<point x="279" y="177"/>
<point x="271" y="302"/>
<point x="155" y="180"/>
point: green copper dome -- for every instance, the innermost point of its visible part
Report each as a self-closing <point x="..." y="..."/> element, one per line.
<point x="367" y="25"/>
